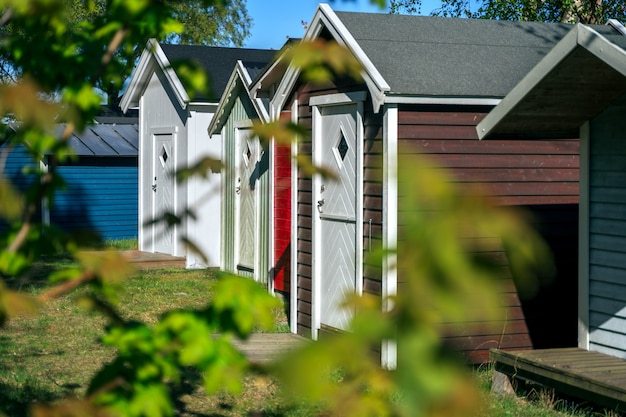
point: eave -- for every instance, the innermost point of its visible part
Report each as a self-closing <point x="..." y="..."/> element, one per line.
<point x="582" y="75"/>
<point x="239" y="76"/>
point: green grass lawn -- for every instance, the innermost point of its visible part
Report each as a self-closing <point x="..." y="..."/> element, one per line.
<point x="54" y="354"/>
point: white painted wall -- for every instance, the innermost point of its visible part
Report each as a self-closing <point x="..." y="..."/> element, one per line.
<point x="204" y="194"/>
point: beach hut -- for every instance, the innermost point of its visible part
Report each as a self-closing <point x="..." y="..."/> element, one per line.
<point x="427" y="83"/>
<point x="579" y="88"/>
<point x="100" y="191"/>
<point x="173" y="121"/>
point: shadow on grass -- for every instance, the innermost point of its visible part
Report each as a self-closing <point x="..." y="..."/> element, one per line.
<point x="16" y="400"/>
<point x="37" y="275"/>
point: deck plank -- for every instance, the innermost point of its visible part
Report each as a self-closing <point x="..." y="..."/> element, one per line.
<point x="588" y="375"/>
<point x="266" y="347"/>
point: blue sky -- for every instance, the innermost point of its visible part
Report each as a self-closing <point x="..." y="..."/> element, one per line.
<point x="275" y="20"/>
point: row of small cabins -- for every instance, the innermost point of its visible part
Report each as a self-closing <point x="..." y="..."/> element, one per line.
<point x="544" y="98"/>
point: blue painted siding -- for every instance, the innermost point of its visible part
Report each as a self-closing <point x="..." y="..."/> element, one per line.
<point x="607" y="232"/>
<point x="101" y="196"/>
<point x="18" y="161"/>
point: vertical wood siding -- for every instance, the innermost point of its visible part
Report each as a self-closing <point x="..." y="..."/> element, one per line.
<point x="282" y="217"/>
<point x="242" y="110"/>
<point x="607" y="232"/>
<point x="101" y="196"/>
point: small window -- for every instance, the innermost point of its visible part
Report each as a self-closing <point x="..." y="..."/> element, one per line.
<point x="163" y="156"/>
<point x="341" y="148"/>
<point x="247" y="154"/>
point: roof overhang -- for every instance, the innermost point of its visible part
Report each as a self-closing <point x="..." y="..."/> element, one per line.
<point x="325" y="18"/>
<point x="239" y="77"/>
<point x="442" y="101"/>
<point x="583" y="74"/>
<point x="152" y="58"/>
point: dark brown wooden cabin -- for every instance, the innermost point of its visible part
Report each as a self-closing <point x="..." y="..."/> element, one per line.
<point x="427" y="82"/>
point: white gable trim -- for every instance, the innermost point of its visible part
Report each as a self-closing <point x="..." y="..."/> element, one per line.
<point x="325" y="17"/>
<point x="239" y="73"/>
<point x="152" y="58"/>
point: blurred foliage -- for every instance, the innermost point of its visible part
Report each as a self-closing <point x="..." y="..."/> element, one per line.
<point x="443" y="280"/>
<point x="565" y="11"/>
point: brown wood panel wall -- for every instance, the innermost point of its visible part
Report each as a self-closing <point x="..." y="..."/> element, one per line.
<point x="539" y="175"/>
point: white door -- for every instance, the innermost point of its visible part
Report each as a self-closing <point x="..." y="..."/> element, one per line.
<point x="337" y="213"/>
<point x="163" y="190"/>
<point x="246" y="189"/>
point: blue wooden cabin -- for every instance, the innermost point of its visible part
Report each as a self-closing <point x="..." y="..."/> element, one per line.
<point x="100" y="195"/>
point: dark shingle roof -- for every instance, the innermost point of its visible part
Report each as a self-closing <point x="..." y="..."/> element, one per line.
<point x="106" y="140"/>
<point x="218" y="62"/>
<point x="435" y="56"/>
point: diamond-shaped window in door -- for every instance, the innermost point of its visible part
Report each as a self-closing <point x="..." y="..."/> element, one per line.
<point x="247" y="154"/>
<point x="341" y="148"/>
<point x="163" y="156"/>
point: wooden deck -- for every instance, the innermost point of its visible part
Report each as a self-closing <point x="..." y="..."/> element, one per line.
<point x="589" y="376"/>
<point x="147" y="260"/>
<point x="266" y="347"/>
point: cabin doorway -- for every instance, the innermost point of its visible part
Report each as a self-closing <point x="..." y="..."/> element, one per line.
<point x="163" y="192"/>
<point x="335" y="212"/>
<point x="247" y="150"/>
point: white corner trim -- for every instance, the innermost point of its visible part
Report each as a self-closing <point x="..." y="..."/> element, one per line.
<point x="389" y="349"/>
<point x="315" y="228"/>
<point x="293" y="288"/>
<point x="583" y="238"/>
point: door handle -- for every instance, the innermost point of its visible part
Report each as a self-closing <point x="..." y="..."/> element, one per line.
<point x="154" y="187"/>
<point x="320" y="204"/>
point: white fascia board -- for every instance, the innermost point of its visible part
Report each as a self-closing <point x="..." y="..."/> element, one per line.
<point x="560" y="51"/>
<point x="172" y="78"/>
<point x="435" y="100"/>
<point x="144" y="70"/>
<point x="325" y="17"/>
<point x="261" y="78"/>
<point x="240" y="73"/>
<point x="137" y="82"/>
<point x="343" y="36"/>
<point x="602" y="48"/>
<point x="284" y="88"/>
<point x="261" y="111"/>
<point x="617" y="25"/>
<point x="205" y="106"/>
<point x="220" y="113"/>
